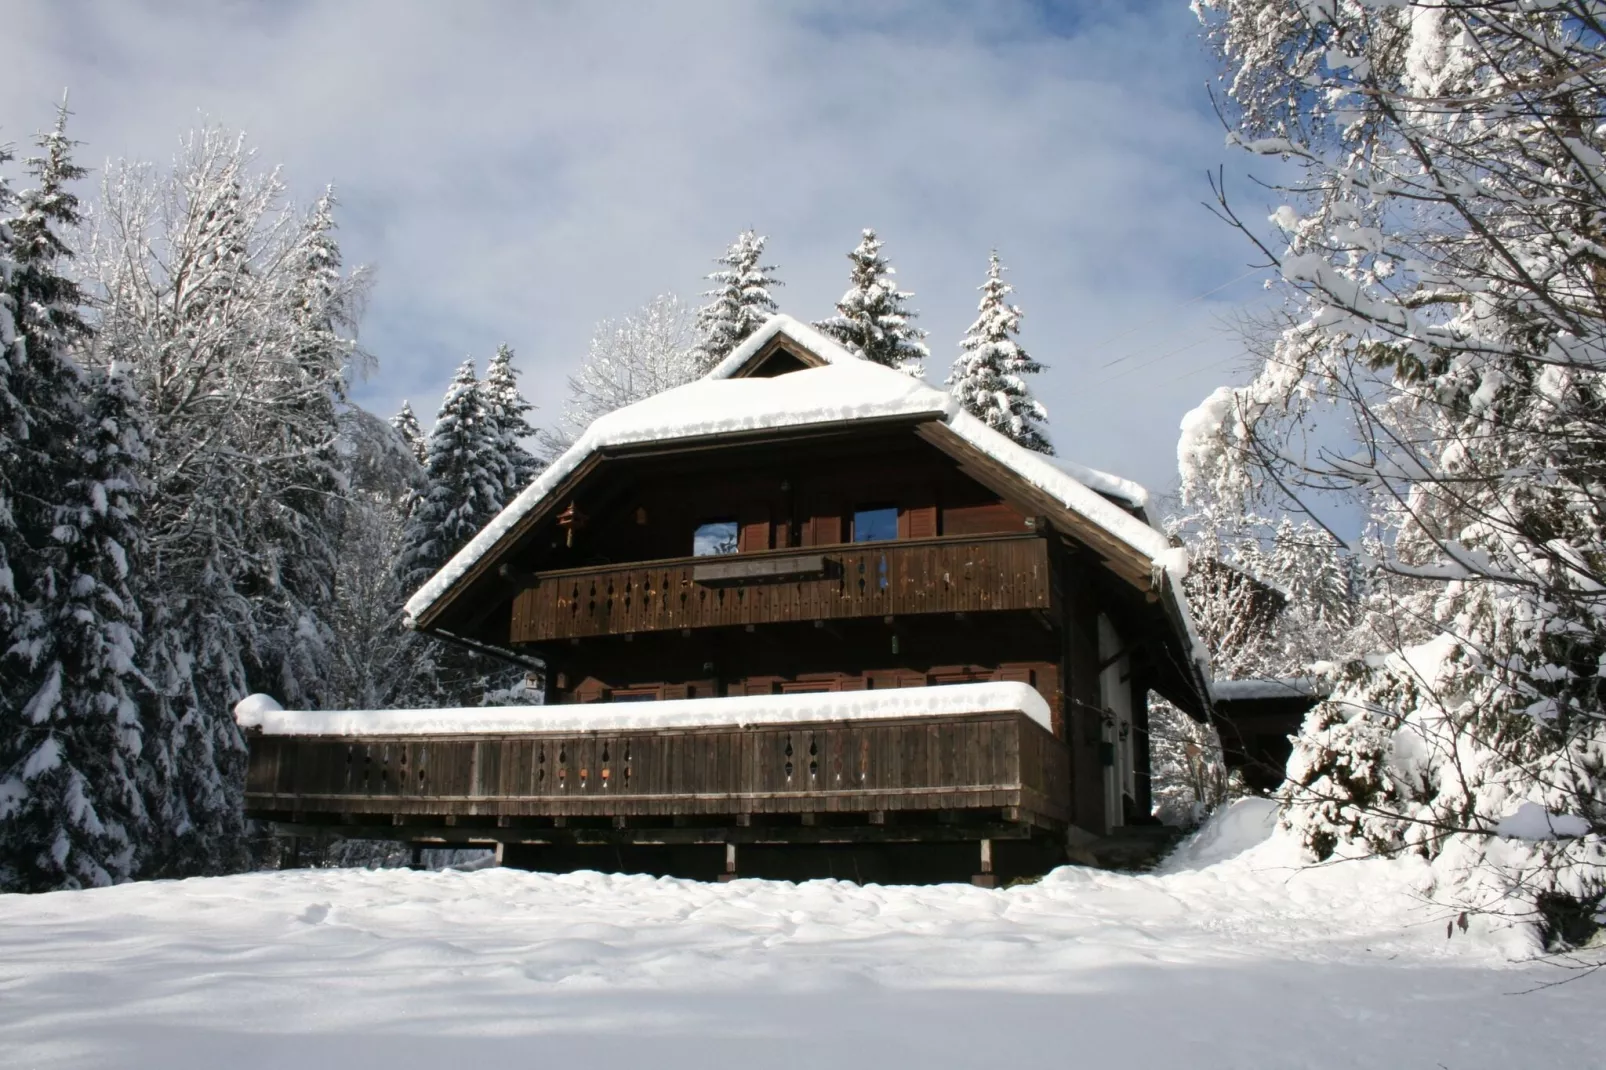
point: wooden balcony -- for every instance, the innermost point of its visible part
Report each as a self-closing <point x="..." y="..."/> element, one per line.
<point x="906" y="576"/>
<point x="977" y="774"/>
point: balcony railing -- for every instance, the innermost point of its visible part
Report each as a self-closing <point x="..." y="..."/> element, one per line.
<point x="816" y="583"/>
<point x="994" y="762"/>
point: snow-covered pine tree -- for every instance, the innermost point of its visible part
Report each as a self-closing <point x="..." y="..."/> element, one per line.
<point x="70" y="808"/>
<point x="1308" y="565"/>
<point x="987" y="378"/>
<point x="464" y="468"/>
<point x="509" y="413"/>
<point x="740" y="300"/>
<point x="406" y="424"/>
<point x="463" y="491"/>
<point x="13" y="417"/>
<point x="872" y="319"/>
<point x="76" y="815"/>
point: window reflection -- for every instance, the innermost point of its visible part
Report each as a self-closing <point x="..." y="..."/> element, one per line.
<point x="875" y="523"/>
<point x="714" y="539"/>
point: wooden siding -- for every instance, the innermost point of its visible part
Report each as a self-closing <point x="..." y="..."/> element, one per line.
<point x="964" y="762"/>
<point x="862" y="580"/>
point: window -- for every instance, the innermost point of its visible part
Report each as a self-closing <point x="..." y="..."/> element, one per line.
<point x="714" y="539"/>
<point x="875" y="523"/>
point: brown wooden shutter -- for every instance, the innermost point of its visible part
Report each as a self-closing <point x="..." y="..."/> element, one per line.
<point x="675" y="691"/>
<point x="755" y="531"/>
<point x="922" y="522"/>
<point x="824" y="527"/>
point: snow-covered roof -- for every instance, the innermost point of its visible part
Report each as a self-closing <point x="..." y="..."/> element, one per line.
<point x="826" y="348"/>
<point x="1268" y="687"/>
<point x="843" y="389"/>
<point x="263" y="714"/>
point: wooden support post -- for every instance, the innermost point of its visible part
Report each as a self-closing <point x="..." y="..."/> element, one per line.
<point x="986" y="878"/>
<point x="878" y="817"/>
<point x="730" y="864"/>
<point x="417" y="859"/>
<point x="500" y="848"/>
<point x="744" y="821"/>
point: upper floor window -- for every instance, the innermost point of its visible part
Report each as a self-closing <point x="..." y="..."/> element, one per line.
<point x="714" y="539"/>
<point x="875" y="523"/>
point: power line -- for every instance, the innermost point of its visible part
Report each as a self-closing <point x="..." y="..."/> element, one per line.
<point x="1168" y="353"/>
<point x="1183" y="304"/>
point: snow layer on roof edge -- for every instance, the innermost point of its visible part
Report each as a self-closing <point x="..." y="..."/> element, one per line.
<point x="1268" y="687"/>
<point x="672" y="713"/>
<point x="1044" y="474"/>
<point x="1133" y="494"/>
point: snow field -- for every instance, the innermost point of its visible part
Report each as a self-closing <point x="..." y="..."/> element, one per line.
<point x="1231" y="956"/>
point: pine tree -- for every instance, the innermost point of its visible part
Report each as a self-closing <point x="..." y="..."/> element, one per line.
<point x="1308" y="565"/>
<point x="13" y="416"/>
<point x="406" y="424"/>
<point x="70" y="811"/>
<point x="987" y="377"/>
<point x="509" y="415"/>
<point x="464" y="470"/>
<point x="741" y="300"/>
<point x="872" y="319"/>
<point x="82" y="821"/>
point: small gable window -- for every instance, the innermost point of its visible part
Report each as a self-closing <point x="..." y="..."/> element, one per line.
<point x="875" y="523"/>
<point x="714" y="539"/>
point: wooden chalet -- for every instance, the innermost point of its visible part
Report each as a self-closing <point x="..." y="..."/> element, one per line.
<point x="799" y="531"/>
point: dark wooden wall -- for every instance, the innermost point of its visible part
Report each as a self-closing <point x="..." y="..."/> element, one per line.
<point x="803" y="496"/>
<point x="849" y="655"/>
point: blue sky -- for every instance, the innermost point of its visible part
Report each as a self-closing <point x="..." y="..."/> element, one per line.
<point x="516" y="172"/>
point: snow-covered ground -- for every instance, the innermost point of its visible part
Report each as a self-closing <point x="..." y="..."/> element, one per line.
<point x="1231" y="956"/>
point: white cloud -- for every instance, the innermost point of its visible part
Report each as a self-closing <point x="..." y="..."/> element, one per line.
<point x="518" y="172"/>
